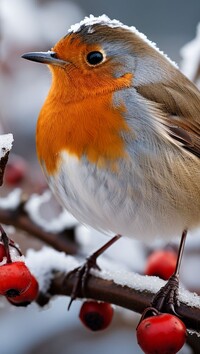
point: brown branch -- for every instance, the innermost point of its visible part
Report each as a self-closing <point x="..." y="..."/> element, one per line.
<point x="3" y="162"/>
<point x="97" y="288"/>
<point x="6" y="145"/>
<point x="129" y="298"/>
<point x="19" y="219"/>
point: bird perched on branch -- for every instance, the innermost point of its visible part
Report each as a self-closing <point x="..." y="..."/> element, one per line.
<point x="118" y="136"/>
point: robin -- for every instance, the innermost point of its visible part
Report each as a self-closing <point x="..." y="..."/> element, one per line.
<point x="118" y="136"/>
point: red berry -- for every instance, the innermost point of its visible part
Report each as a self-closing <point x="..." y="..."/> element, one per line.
<point x="14" y="278"/>
<point x="29" y="295"/>
<point x="96" y="315"/>
<point x="15" y="171"/>
<point x="2" y="252"/>
<point x="161" y="334"/>
<point x="161" y="263"/>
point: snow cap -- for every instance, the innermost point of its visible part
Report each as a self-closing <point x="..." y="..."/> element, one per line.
<point x="6" y="142"/>
<point x="105" y="20"/>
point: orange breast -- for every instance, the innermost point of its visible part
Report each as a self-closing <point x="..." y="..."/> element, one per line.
<point x="89" y="126"/>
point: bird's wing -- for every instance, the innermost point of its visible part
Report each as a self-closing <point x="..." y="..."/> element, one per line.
<point x="179" y="100"/>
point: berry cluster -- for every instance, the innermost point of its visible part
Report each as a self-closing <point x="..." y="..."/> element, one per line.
<point x="17" y="283"/>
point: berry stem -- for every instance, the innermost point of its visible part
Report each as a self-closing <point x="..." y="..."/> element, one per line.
<point x="12" y="244"/>
<point x="6" y="241"/>
<point x="83" y="271"/>
<point x="148" y="312"/>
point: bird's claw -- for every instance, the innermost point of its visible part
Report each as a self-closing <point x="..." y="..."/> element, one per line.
<point x="167" y="297"/>
<point x="82" y="274"/>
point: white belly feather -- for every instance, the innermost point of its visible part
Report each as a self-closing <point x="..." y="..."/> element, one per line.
<point x="119" y="203"/>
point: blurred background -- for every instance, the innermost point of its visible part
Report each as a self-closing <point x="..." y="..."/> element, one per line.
<point x="36" y="25"/>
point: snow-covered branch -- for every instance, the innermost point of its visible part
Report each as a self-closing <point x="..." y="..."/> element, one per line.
<point x="116" y="285"/>
<point x="124" y="296"/>
<point x="120" y="287"/>
<point x="6" y="141"/>
<point x="18" y="217"/>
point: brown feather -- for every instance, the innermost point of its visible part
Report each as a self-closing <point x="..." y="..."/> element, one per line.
<point x="179" y="100"/>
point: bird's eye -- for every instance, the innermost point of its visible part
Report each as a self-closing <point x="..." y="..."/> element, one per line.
<point x="94" y="58"/>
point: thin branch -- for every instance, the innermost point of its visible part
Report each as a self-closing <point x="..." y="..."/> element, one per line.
<point x="129" y="298"/>
<point x="19" y="219"/>
<point x="97" y="288"/>
<point x="6" y="141"/>
<point x="3" y="162"/>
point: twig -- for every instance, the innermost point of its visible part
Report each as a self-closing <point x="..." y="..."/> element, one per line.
<point x="6" y="141"/>
<point x="129" y="298"/>
<point x="3" y="162"/>
<point x="19" y="219"/>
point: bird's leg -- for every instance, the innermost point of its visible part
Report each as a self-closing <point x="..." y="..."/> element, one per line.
<point x="167" y="297"/>
<point x="83" y="271"/>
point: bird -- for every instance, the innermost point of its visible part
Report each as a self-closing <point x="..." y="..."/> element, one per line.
<point x="118" y="136"/>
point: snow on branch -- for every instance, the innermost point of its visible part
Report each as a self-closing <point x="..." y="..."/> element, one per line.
<point x="6" y="141"/>
<point x="12" y="212"/>
<point x="58" y="224"/>
<point x="12" y="200"/>
<point x="120" y="287"/>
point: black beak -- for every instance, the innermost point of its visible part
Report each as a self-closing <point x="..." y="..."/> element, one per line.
<point x="45" y="58"/>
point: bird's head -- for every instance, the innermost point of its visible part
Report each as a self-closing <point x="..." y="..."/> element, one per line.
<point x="99" y="55"/>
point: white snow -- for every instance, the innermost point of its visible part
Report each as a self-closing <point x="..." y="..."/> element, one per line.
<point x="6" y="141"/>
<point x="43" y="262"/>
<point x="57" y="224"/>
<point x="105" y="20"/>
<point x="191" y="57"/>
<point x="192" y="332"/>
<point x="145" y="282"/>
<point x="15" y="257"/>
<point x="12" y="200"/>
